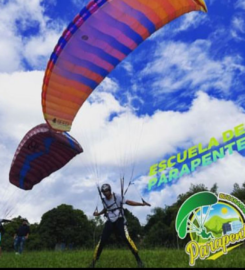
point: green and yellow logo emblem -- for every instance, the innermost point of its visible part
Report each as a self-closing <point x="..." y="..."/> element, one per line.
<point x="215" y="225"/>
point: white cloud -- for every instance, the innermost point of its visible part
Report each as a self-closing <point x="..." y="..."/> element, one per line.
<point x="16" y="18"/>
<point x="108" y="85"/>
<point x="11" y="58"/>
<point x="238" y="24"/>
<point x="37" y="49"/>
<point x="187" y="21"/>
<point x="20" y="105"/>
<point x="180" y="65"/>
<point x="110" y="147"/>
<point x="127" y="66"/>
<point x="240" y="4"/>
<point x="238" y="28"/>
<point x="225" y="173"/>
<point x="155" y="144"/>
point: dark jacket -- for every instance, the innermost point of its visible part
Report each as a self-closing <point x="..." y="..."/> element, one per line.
<point x="23" y="230"/>
<point x="2" y="231"/>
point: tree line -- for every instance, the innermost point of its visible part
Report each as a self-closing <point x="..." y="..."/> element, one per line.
<point x="66" y="228"/>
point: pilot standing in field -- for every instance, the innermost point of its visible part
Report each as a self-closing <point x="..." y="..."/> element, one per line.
<point x="113" y="209"/>
<point x="21" y="236"/>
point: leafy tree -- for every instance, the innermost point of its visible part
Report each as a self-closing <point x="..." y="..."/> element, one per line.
<point x="34" y="241"/>
<point x="72" y="227"/>
<point x="134" y="228"/>
<point x="97" y="224"/>
<point x="214" y="189"/>
<point x="65" y="225"/>
<point x="239" y="192"/>
<point x="160" y="228"/>
<point x="156" y="229"/>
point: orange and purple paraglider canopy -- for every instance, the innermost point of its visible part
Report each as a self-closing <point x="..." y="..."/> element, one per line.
<point x="98" y="39"/>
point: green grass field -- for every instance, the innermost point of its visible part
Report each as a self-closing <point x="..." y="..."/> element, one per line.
<point x="117" y="259"/>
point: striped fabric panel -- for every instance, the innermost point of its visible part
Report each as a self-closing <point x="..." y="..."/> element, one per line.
<point x="30" y="166"/>
<point x="98" y="39"/>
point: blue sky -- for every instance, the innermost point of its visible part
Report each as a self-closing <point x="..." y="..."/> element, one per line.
<point x="181" y="87"/>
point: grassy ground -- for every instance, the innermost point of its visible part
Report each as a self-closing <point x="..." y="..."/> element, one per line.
<point x="117" y="259"/>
